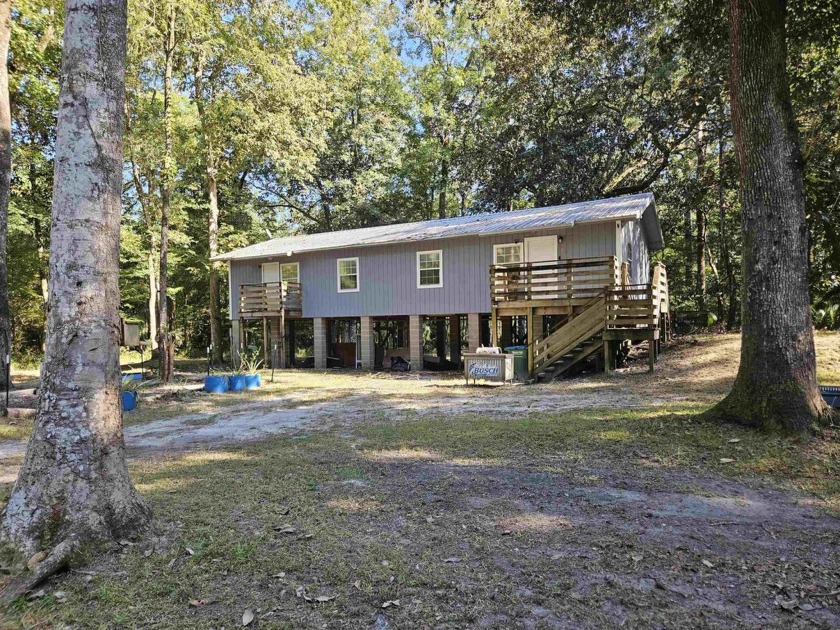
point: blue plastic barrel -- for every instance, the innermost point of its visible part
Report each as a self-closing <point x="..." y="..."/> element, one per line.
<point x="237" y="382"/>
<point x="252" y="381"/>
<point x="129" y="401"/>
<point x="216" y="384"/>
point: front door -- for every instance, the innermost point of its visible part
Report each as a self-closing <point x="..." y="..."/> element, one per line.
<point x="542" y="249"/>
<point x="270" y="273"/>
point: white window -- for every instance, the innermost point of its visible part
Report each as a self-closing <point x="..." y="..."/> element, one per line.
<point x="348" y="275"/>
<point x="290" y="272"/>
<point x="430" y="269"/>
<point x="508" y="254"/>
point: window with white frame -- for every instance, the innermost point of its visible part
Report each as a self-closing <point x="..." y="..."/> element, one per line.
<point x="290" y="272"/>
<point x="430" y="269"/>
<point x="348" y="275"/>
<point x="507" y="254"/>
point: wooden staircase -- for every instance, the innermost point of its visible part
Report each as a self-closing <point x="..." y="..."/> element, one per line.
<point x="572" y="342"/>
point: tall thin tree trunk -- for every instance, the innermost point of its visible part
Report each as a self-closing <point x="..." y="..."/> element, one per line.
<point x="212" y="217"/>
<point x="444" y="181"/>
<point x="153" y="293"/>
<point x="74" y="484"/>
<point x="43" y="271"/>
<point x="166" y="349"/>
<point x="700" y="214"/>
<point x="731" y="312"/>
<point x="5" y="179"/>
<point x="776" y="385"/>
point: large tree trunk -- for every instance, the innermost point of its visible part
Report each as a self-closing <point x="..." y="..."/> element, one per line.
<point x="5" y="178"/>
<point x="776" y="386"/>
<point x="212" y="218"/>
<point x="166" y="346"/>
<point x="74" y="484"/>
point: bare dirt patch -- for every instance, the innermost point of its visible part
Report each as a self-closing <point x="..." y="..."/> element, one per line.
<point x="590" y="503"/>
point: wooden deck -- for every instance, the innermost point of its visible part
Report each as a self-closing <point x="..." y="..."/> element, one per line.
<point x="273" y="299"/>
<point x="600" y="307"/>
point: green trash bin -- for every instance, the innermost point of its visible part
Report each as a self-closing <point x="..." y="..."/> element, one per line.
<point x="520" y="362"/>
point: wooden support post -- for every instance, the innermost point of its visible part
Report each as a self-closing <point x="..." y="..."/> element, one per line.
<point x="235" y="340"/>
<point x="283" y="343"/>
<point x="415" y="341"/>
<point x="607" y="356"/>
<point x="455" y="339"/>
<point x="494" y="335"/>
<point x="473" y="331"/>
<point x="368" y="341"/>
<point x="266" y="341"/>
<point x="530" y="345"/>
<point x="651" y="352"/>
<point x="319" y="328"/>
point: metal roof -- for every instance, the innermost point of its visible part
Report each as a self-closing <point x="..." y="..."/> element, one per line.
<point x="641" y="206"/>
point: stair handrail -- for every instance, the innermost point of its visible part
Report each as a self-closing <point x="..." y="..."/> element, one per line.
<point x="589" y="304"/>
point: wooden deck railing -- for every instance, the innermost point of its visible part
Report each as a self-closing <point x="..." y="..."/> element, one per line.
<point x="269" y="299"/>
<point x="575" y="280"/>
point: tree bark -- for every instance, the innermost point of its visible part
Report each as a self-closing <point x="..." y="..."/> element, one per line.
<point x="5" y="179"/>
<point x="153" y="291"/>
<point x="151" y="255"/>
<point x="444" y="182"/>
<point x="776" y="385"/>
<point x="74" y="484"/>
<point x="166" y="349"/>
<point x="212" y="218"/>
<point x="700" y="215"/>
<point x="724" y="243"/>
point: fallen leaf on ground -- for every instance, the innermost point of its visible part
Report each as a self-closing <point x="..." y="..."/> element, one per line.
<point x="789" y="605"/>
<point x="247" y="617"/>
<point x="734" y="440"/>
<point x="36" y="559"/>
<point x="325" y="598"/>
<point x="726" y="460"/>
<point x="285" y="529"/>
<point x="391" y="602"/>
<point x="708" y="564"/>
<point x="189" y="551"/>
<point x="453" y="559"/>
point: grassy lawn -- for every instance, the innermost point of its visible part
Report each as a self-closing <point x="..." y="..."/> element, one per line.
<point x="458" y="519"/>
<point x="458" y="513"/>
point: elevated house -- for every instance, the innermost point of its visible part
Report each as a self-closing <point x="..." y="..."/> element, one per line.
<point x="561" y="281"/>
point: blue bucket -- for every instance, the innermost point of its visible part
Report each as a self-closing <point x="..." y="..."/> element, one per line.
<point x="237" y="382"/>
<point x="132" y="376"/>
<point x="129" y="401"/>
<point x="252" y="381"/>
<point x="216" y="384"/>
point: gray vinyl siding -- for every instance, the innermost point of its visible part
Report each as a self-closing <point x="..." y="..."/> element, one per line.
<point x="632" y="238"/>
<point x="388" y="274"/>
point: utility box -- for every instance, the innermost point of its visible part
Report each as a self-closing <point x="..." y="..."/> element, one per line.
<point x="130" y="334"/>
<point x="496" y="368"/>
